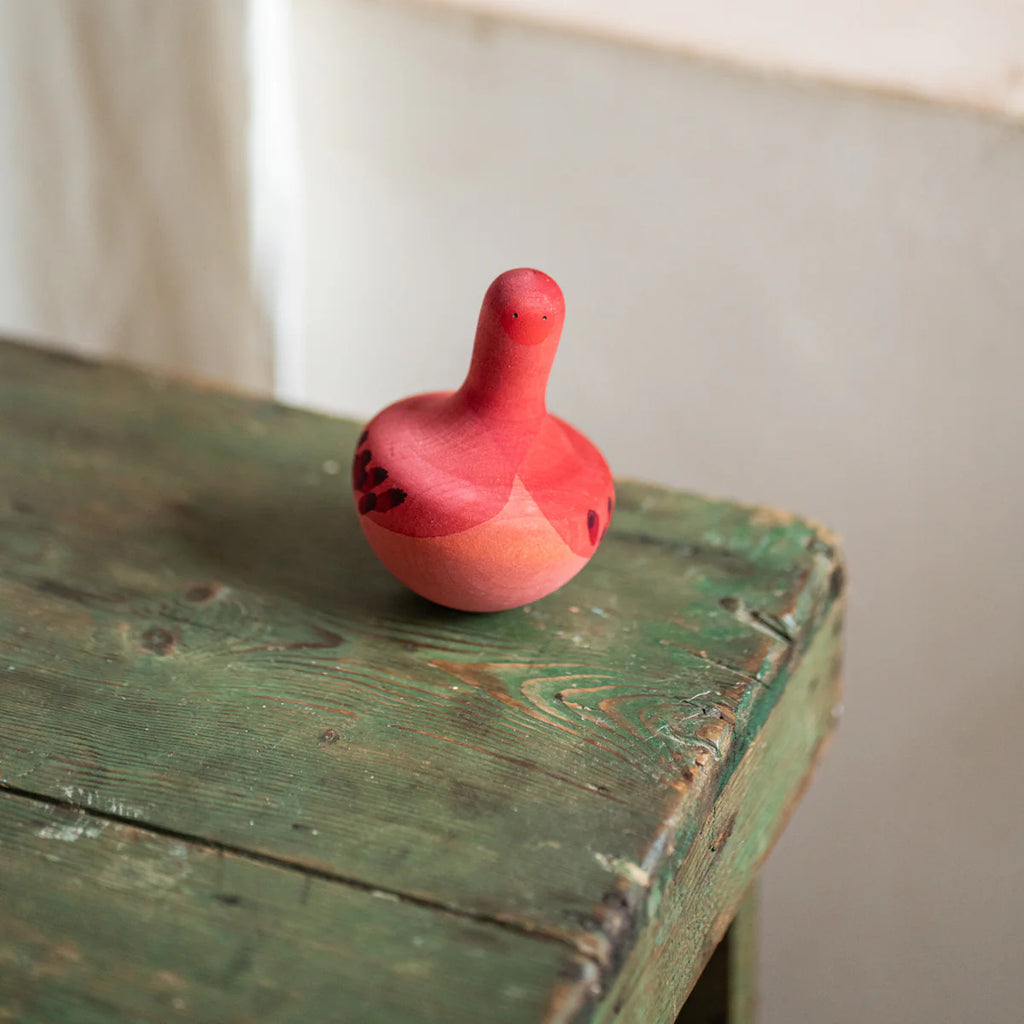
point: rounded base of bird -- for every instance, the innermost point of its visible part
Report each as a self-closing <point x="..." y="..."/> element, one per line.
<point x="503" y="563"/>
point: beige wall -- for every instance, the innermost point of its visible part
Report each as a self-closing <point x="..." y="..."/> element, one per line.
<point x="124" y="192"/>
<point x="968" y="52"/>
<point x="795" y="295"/>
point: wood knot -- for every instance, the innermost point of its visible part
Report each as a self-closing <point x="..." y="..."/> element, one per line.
<point x="158" y="641"/>
<point x="203" y="593"/>
<point x="723" y="835"/>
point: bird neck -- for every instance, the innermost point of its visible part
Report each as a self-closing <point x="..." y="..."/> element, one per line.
<point x="506" y="381"/>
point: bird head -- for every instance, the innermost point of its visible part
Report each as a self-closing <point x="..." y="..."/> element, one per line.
<point x="527" y="305"/>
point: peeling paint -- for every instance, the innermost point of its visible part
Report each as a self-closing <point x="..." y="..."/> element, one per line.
<point x="70" y="833"/>
<point x="92" y="799"/>
<point x="621" y="866"/>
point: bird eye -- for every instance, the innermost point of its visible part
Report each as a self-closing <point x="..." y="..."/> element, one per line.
<point x="515" y="316"/>
<point x="543" y="318"/>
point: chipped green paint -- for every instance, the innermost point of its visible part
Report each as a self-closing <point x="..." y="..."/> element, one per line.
<point x="726" y="991"/>
<point x="201" y="645"/>
<point x="710" y="875"/>
<point x="107" y="921"/>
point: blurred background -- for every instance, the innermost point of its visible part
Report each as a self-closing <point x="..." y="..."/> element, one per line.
<point x="791" y="239"/>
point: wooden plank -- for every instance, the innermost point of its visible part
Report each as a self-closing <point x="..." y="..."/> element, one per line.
<point x="726" y="991"/>
<point x="107" y="922"/>
<point x="687" y="919"/>
<point x="199" y="640"/>
<point x="743" y="960"/>
<point x="708" y="1001"/>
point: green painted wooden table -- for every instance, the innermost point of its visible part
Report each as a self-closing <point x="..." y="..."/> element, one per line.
<point x="245" y="776"/>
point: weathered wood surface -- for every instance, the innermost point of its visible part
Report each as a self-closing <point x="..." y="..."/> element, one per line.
<point x="736" y="834"/>
<point x="743" y="945"/>
<point x="726" y="991"/>
<point x="218" y="937"/>
<point x="197" y="641"/>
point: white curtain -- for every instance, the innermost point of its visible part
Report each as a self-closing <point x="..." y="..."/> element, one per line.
<point x="125" y="223"/>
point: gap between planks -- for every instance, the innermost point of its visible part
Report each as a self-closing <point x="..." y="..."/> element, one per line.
<point x="294" y="866"/>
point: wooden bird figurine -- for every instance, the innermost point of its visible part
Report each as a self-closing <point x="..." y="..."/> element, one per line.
<point x="480" y="499"/>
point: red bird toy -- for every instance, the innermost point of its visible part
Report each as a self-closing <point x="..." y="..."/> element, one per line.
<point x="480" y="499"/>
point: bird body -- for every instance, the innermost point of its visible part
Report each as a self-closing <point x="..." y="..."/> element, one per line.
<point x="480" y="499"/>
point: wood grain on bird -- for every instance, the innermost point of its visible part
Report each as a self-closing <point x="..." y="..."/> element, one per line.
<point x="480" y="499"/>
